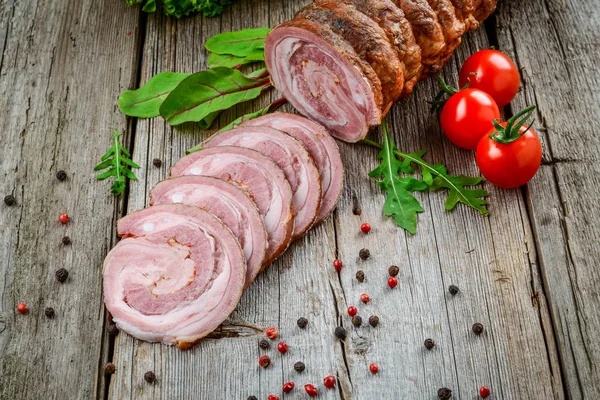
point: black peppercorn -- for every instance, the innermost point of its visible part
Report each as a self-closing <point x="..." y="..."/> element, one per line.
<point x="150" y="377"/>
<point x="299" y="366"/>
<point x="429" y="344"/>
<point x="157" y="163"/>
<point x="444" y="393"/>
<point x="61" y="175"/>
<point x="340" y="332"/>
<point x="113" y="330"/>
<point x="360" y="276"/>
<point x="302" y="322"/>
<point x="264" y="344"/>
<point x="49" y="311"/>
<point x="109" y="368"/>
<point x="357" y="321"/>
<point x="453" y="289"/>
<point x="373" y="320"/>
<point x="477" y="328"/>
<point x="393" y="270"/>
<point x="252" y="398"/>
<point x="9" y="200"/>
<point x="66" y="240"/>
<point x="61" y="275"/>
<point x="356" y="210"/>
<point x="364" y="254"/>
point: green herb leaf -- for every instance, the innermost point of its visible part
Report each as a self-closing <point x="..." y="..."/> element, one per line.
<point x="145" y="102"/>
<point x="399" y="202"/>
<point x="117" y="161"/>
<point x="206" y="92"/>
<point x="227" y="60"/>
<point x="240" y="43"/>
<point x="149" y="6"/>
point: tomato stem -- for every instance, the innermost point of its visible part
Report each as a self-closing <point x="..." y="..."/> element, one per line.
<point x="439" y="101"/>
<point x="512" y="130"/>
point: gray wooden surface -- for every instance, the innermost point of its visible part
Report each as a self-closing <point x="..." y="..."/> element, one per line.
<point x="528" y="272"/>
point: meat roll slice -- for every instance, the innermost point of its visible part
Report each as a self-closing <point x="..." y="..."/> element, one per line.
<point x="367" y="39"/>
<point x="292" y="157"/>
<point x="175" y="277"/>
<point x="465" y="10"/>
<point x="229" y="203"/>
<point x="485" y="9"/>
<point x="321" y="75"/>
<point x="321" y="147"/>
<point x="260" y="177"/>
<point x="452" y="26"/>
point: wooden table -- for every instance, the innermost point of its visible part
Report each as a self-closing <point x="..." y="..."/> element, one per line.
<point x="529" y="272"/>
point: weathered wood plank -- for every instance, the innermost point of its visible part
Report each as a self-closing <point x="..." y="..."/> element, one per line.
<point x="62" y="66"/>
<point x="558" y="66"/>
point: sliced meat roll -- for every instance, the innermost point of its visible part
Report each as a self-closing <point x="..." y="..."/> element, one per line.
<point x="226" y="201"/>
<point x="321" y="147"/>
<point x="260" y="177"/>
<point x="452" y="26"/>
<point x="290" y="155"/>
<point x="175" y="277"/>
<point x="465" y="10"/>
<point x="321" y="75"/>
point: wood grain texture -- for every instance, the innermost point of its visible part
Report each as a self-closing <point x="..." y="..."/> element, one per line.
<point x="62" y="66"/>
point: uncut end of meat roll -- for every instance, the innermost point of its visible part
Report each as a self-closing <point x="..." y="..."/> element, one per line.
<point x="175" y="277"/>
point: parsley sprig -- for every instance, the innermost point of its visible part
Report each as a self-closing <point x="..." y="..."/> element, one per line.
<point x="117" y="160"/>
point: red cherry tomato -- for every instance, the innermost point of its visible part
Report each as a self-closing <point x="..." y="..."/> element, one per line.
<point x="494" y="73"/>
<point x="467" y="116"/>
<point x="510" y="165"/>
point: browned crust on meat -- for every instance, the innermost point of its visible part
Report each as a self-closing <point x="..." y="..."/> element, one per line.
<point x="344" y="49"/>
<point x="465" y="10"/>
<point x="367" y="39"/>
<point x="452" y="26"/>
<point x="485" y="9"/>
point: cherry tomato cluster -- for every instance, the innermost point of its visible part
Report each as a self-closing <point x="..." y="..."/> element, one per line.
<point x="507" y="153"/>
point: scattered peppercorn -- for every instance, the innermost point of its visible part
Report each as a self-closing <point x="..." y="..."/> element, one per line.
<point x="373" y="320"/>
<point x="356" y="211"/>
<point x="9" y="200"/>
<point x="329" y="382"/>
<point x="22" y="308"/>
<point x="109" y="368"/>
<point x="360" y="276"/>
<point x="429" y="344"/>
<point x="288" y="387"/>
<point x="272" y="397"/>
<point x="365" y="298"/>
<point x="272" y="333"/>
<point x="302" y="322"/>
<point x="364" y="254"/>
<point x="352" y="311"/>
<point x="484" y="391"/>
<point x="337" y="265"/>
<point x="66" y="240"/>
<point x="357" y="321"/>
<point x="453" y="289"/>
<point x="299" y="366"/>
<point x="477" y="328"/>
<point x="113" y="330"/>
<point x="150" y="377"/>
<point x="392" y="282"/>
<point x="311" y="390"/>
<point x="282" y="347"/>
<point x="157" y="162"/>
<point x="374" y="368"/>
<point x="393" y="270"/>
<point x="444" y="393"/>
<point x="365" y="228"/>
<point x="340" y="332"/>
<point x="264" y="361"/>
<point x="128" y="33"/>
<point x="264" y="344"/>
<point x="49" y="311"/>
<point x="251" y="398"/>
<point x="61" y="275"/>
<point x="61" y="175"/>
<point x="63" y="218"/>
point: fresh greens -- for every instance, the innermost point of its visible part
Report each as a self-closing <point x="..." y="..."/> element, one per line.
<point x="118" y="162"/>
<point x="182" y="8"/>
<point x="145" y="101"/>
<point x="205" y="92"/>
<point x="149" y="5"/>
<point x="231" y="61"/>
<point x="239" y="43"/>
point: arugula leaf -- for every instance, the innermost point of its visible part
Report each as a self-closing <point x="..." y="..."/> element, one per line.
<point x="227" y="60"/>
<point x="145" y="101"/>
<point x="239" y="43"/>
<point x="203" y="93"/>
<point x="117" y="160"/>
<point x="150" y="5"/>
<point x="399" y="202"/>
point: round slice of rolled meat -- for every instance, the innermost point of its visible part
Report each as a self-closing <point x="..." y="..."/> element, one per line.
<point x="321" y="147"/>
<point x="175" y="277"/>
<point x="226" y="201"/>
<point x="260" y="177"/>
<point x="292" y="157"/>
